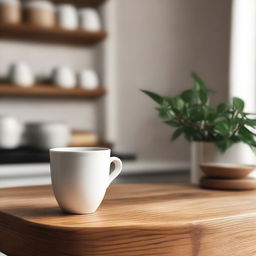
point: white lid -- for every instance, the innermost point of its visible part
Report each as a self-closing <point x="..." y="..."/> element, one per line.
<point x="66" y="6"/>
<point x="10" y="2"/>
<point x="40" y="4"/>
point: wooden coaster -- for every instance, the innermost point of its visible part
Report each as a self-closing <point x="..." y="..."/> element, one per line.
<point x="228" y="184"/>
<point x="226" y="171"/>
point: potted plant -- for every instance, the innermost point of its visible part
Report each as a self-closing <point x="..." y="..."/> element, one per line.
<point x="213" y="130"/>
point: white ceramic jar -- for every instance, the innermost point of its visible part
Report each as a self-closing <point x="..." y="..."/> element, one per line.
<point x="67" y="16"/>
<point x="46" y="135"/>
<point x="20" y="74"/>
<point x="88" y="79"/>
<point x="64" y="77"/>
<point x="40" y="13"/>
<point x="10" y="11"/>
<point x="11" y="132"/>
<point x="89" y="19"/>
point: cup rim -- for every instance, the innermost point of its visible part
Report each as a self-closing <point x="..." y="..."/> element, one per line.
<point x="82" y="150"/>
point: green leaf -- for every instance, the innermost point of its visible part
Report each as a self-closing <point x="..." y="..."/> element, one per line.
<point x="238" y="104"/>
<point x="172" y="123"/>
<point x="192" y="133"/>
<point x="197" y="114"/>
<point x="164" y="113"/>
<point x="222" y="128"/>
<point x="210" y="114"/>
<point x="251" y="122"/>
<point x="177" y="133"/>
<point x="222" y="108"/>
<point x="224" y="144"/>
<point x="238" y="120"/>
<point x="203" y="96"/>
<point x="179" y="103"/>
<point x="157" y="98"/>
<point x="247" y="136"/>
<point x="167" y="101"/>
<point x="199" y="83"/>
<point x="187" y="95"/>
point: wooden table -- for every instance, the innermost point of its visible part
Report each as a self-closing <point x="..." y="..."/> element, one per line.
<point x="144" y="220"/>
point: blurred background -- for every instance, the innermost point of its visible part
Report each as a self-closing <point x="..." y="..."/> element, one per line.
<point x="71" y="74"/>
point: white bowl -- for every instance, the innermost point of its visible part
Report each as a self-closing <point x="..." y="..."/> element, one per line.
<point x="47" y="135"/>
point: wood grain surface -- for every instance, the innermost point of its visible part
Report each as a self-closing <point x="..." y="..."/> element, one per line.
<point x="78" y="3"/>
<point x="56" y="35"/>
<point x="45" y="90"/>
<point x="140" y="220"/>
<point x="228" y="184"/>
<point x="81" y="3"/>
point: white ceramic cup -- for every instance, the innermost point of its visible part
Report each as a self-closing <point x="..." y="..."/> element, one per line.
<point x="64" y="77"/>
<point x="67" y="16"/>
<point x="89" y="19"/>
<point x="88" y="79"/>
<point x="80" y="177"/>
<point x="20" y="74"/>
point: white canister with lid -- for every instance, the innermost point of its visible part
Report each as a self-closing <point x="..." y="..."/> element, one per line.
<point x="10" y="11"/>
<point x="89" y="19"/>
<point x="11" y="132"/>
<point x="88" y="79"/>
<point x="40" y="13"/>
<point x="20" y="74"/>
<point x="67" y="16"/>
<point x="64" y="77"/>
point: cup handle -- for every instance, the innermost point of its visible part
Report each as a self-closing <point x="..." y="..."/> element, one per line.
<point x="118" y="168"/>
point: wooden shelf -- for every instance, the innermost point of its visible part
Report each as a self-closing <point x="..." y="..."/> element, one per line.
<point x="49" y="91"/>
<point x="78" y="3"/>
<point x="81" y="3"/>
<point x="26" y="32"/>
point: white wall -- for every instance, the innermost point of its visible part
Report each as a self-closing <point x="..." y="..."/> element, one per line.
<point x="159" y="44"/>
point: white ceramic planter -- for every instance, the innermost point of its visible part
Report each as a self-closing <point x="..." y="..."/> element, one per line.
<point x="208" y="152"/>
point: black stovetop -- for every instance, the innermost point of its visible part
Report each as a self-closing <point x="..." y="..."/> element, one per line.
<point x="31" y="155"/>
